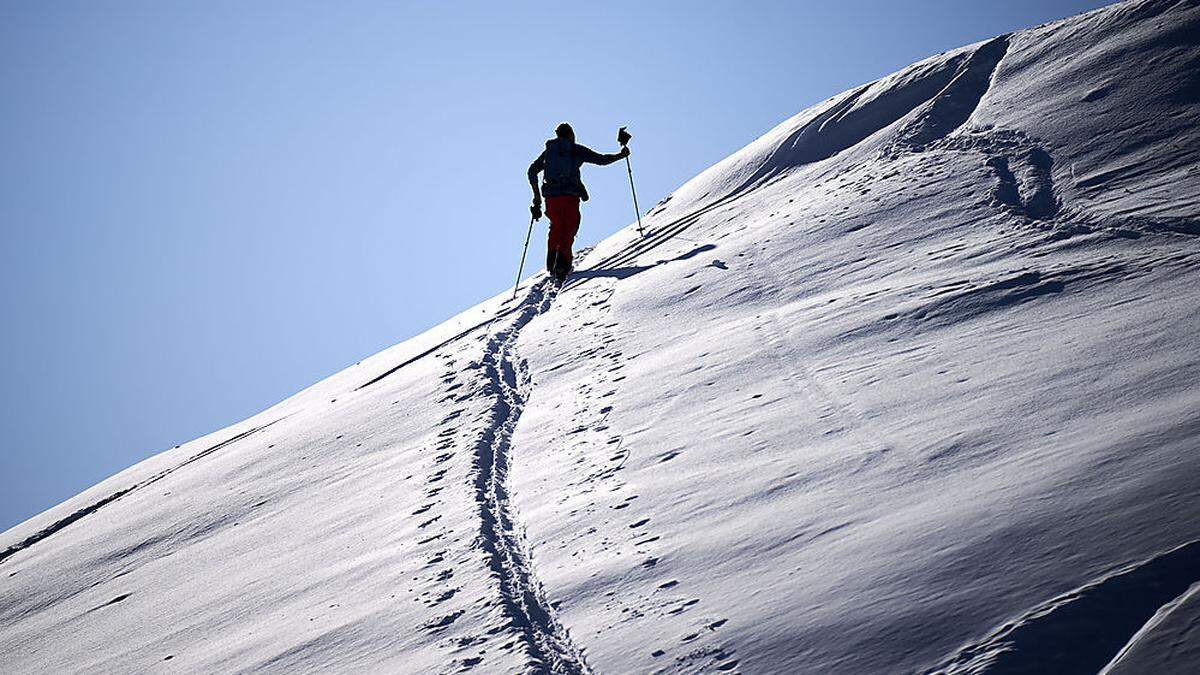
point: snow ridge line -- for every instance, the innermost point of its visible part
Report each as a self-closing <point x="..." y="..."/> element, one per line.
<point x="88" y="510"/>
<point x="1085" y="629"/>
<point x="546" y="640"/>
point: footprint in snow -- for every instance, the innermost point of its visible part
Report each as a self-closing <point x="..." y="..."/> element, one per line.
<point x="443" y="622"/>
<point x="119" y="598"/>
<point x="684" y="606"/>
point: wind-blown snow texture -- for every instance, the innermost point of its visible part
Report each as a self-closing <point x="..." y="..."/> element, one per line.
<point x="911" y="383"/>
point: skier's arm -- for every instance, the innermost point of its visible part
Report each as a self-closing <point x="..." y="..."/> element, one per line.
<point x="534" y="170"/>
<point x="586" y="154"/>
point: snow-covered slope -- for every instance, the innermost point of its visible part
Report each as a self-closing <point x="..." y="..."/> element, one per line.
<point x="911" y="383"/>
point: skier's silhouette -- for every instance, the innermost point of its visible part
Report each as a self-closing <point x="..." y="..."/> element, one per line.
<point x="559" y="163"/>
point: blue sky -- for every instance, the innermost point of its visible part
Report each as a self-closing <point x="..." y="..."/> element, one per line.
<point x="207" y="206"/>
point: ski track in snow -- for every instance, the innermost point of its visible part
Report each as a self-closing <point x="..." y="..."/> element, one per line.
<point x="546" y="640"/>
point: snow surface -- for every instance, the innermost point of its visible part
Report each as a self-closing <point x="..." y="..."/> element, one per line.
<point x="908" y="384"/>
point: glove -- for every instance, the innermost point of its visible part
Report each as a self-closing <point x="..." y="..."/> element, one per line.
<point x="536" y="210"/>
<point x="624" y="152"/>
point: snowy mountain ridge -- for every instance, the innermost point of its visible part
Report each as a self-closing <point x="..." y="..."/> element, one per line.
<point x="909" y="384"/>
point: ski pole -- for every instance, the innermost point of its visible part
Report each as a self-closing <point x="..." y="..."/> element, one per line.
<point x="623" y="138"/>
<point x="632" y="189"/>
<point x="525" y="250"/>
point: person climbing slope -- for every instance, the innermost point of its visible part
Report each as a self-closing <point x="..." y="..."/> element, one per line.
<point x="559" y="163"/>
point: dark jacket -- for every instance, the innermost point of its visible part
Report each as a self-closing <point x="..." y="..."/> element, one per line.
<point x="560" y="162"/>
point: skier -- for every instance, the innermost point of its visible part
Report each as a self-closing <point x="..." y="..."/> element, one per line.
<point x="560" y="163"/>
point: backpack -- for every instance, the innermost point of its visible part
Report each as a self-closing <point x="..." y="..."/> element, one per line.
<point x="561" y="171"/>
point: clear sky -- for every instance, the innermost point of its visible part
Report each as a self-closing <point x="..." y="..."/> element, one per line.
<point x="207" y="206"/>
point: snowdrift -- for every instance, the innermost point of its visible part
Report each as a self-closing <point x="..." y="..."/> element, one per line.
<point x="909" y="384"/>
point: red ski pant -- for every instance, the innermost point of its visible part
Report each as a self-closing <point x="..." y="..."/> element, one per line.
<point x="563" y="212"/>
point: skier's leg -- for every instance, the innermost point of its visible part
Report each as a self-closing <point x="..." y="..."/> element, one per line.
<point x="571" y="219"/>
<point x="563" y="212"/>
<point x="554" y="213"/>
<point x="555" y="266"/>
<point x="564" y="228"/>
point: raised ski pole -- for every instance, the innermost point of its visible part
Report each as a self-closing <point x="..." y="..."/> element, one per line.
<point x="532" y="217"/>
<point x="623" y="138"/>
